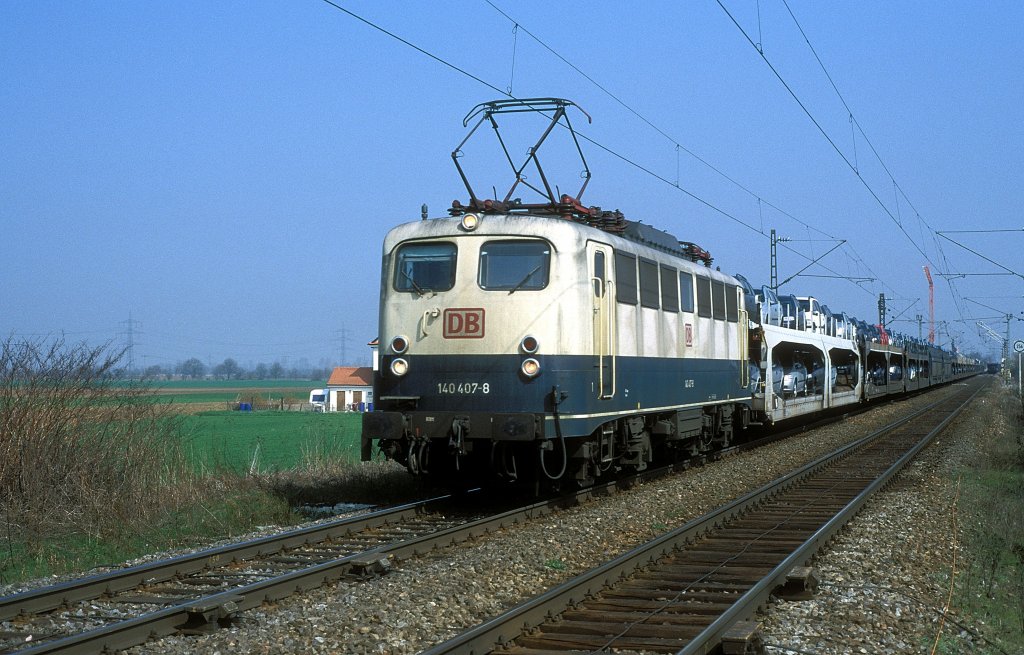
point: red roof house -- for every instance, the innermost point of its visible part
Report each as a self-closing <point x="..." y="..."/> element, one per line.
<point x="348" y="387"/>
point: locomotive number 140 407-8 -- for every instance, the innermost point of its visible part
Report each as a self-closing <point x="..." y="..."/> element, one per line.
<point x="451" y="388"/>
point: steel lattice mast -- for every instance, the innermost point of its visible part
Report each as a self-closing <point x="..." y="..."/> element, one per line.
<point x="931" y="306"/>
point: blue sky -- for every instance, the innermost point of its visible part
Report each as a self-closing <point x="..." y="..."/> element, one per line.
<point x="224" y="173"/>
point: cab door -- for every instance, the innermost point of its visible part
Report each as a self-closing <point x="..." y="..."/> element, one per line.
<point x="603" y="320"/>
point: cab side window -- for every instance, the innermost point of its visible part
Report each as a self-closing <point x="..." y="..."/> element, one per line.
<point x="685" y="291"/>
<point x="669" y="289"/>
<point x="718" y="295"/>
<point x="625" y="278"/>
<point x="703" y="297"/>
<point x="648" y="284"/>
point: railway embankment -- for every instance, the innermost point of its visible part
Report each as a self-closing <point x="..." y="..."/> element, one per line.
<point x="934" y="563"/>
<point x="421" y="603"/>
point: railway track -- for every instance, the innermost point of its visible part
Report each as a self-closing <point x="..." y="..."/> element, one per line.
<point x="695" y="589"/>
<point x="195" y="593"/>
<point x="125" y="607"/>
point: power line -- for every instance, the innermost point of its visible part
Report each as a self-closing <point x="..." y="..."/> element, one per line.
<point x="341" y="338"/>
<point x="679" y="146"/>
<point x="590" y="140"/>
<point x="656" y="128"/>
<point x="986" y="258"/>
<point x="607" y="149"/>
<point x="417" y="48"/>
<point x="1015" y="229"/>
<point x="853" y="121"/>
<point x="236" y="344"/>
<point x="954" y="292"/>
<point x="825" y="134"/>
<point x="61" y="333"/>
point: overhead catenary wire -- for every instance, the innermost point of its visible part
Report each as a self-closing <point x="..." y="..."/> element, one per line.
<point x="898" y="190"/>
<point x="510" y="95"/>
<point x="590" y="140"/>
<point x="954" y="291"/>
<point x="824" y="133"/>
<point x="853" y="119"/>
<point x="986" y="258"/>
<point x="1014" y="229"/>
<point x="653" y="126"/>
<point x="855" y="257"/>
<point x="678" y="146"/>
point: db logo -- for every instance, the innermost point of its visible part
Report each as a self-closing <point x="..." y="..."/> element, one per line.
<point x="463" y="323"/>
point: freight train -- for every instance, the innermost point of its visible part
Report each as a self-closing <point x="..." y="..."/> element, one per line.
<point x="556" y="344"/>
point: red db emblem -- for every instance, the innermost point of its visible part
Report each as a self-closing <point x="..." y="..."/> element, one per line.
<point x="463" y="323"/>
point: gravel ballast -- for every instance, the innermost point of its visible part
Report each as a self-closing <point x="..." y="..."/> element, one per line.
<point x="886" y="577"/>
<point x="889" y="592"/>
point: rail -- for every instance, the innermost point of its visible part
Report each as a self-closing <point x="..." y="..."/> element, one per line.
<point x="541" y="623"/>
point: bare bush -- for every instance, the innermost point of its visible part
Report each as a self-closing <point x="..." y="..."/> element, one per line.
<point x="81" y="452"/>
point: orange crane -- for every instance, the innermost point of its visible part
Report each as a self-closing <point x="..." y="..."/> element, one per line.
<point x="931" y="306"/>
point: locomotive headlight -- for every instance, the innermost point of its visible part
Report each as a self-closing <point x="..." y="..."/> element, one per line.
<point x="529" y="344"/>
<point x="530" y="367"/>
<point x="470" y="222"/>
<point x="399" y="344"/>
<point x="399" y="367"/>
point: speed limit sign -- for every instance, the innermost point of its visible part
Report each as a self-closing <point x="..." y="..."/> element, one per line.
<point x="1018" y="346"/>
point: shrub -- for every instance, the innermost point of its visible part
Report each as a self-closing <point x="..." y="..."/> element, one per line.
<point x="81" y="452"/>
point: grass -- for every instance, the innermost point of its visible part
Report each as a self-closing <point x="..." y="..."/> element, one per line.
<point x="95" y="470"/>
<point x="241" y="385"/>
<point x="232" y="512"/>
<point x="197" y="397"/>
<point x="210" y="391"/>
<point x="300" y="458"/>
<point x="990" y="588"/>
<point x="243" y="442"/>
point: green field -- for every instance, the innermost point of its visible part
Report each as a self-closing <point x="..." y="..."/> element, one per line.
<point x="260" y="440"/>
<point x="241" y="385"/>
<point x="273" y="440"/>
<point x="210" y="391"/>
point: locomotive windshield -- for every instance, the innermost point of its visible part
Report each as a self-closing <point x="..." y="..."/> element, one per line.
<point x="514" y="265"/>
<point x="424" y="267"/>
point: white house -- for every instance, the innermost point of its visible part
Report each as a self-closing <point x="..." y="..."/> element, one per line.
<point x="348" y="388"/>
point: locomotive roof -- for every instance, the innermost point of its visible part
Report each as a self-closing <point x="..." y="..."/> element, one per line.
<point x="520" y="224"/>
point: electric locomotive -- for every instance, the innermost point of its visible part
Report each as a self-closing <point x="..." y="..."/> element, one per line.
<point x="552" y="342"/>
